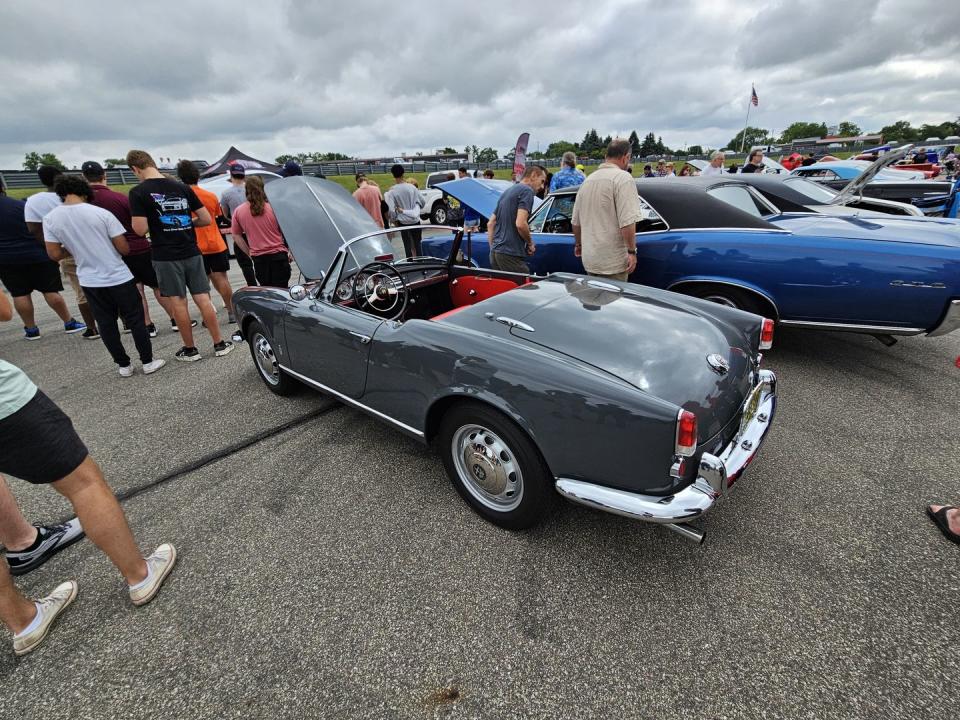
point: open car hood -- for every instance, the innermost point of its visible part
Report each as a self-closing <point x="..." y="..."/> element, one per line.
<point x="855" y="187"/>
<point x="479" y="193"/>
<point x="316" y="217"/>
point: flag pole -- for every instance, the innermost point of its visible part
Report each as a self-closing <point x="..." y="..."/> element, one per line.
<point x="743" y="138"/>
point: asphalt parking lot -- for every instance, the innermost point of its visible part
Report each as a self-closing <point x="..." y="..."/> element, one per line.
<point x="328" y="568"/>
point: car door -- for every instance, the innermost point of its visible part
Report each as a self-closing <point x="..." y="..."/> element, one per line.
<point x="551" y="227"/>
<point x="329" y="343"/>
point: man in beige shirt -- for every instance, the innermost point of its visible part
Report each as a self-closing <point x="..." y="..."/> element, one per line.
<point x="605" y="216"/>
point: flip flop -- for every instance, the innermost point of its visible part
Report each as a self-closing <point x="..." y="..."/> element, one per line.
<point x="940" y="518"/>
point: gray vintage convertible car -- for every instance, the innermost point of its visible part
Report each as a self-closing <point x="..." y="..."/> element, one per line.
<point x="630" y="399"/>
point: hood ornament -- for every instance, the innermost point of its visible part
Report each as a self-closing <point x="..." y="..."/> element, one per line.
<point x="718" y="364"/>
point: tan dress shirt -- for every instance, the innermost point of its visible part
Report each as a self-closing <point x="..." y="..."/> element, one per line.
<point x="606" y="202"/>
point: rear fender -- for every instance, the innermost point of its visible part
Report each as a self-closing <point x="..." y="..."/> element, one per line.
<point x="762" y="295"/>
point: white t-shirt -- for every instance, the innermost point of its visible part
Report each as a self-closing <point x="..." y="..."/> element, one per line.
<point x="86" y="230"/>
<point x="711" y="170"/>
<point x="39" y="204"/>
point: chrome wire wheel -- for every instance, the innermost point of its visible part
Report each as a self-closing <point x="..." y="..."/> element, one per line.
<point x="487" y="467"/>
<point x="266" y="360"/>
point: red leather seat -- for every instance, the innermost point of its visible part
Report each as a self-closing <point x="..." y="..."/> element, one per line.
<point x="471" y="289"/>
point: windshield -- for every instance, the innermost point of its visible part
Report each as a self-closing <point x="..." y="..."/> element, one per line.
<point x="819" y="194"/>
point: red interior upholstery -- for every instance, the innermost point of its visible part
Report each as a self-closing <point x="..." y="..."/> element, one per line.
<point x="471" y="289"/>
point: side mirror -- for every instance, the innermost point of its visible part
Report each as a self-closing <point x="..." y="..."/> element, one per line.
<point x="298" y="293"/>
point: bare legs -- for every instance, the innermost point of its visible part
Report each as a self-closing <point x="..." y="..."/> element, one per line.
<point x="15" y="532"/>
<point x="24" y="307"/>
<point x="222" y="284"/>
<point x="16" y="611"/>
<point x="102" y="519"/>
<point x="182" y="316"/>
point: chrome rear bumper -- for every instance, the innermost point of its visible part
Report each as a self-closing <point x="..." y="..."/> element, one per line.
<point x="717" y="473"/>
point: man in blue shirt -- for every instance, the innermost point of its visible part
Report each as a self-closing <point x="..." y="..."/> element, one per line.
<point x="567" y="175"/>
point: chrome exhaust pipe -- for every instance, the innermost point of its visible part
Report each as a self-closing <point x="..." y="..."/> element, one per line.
<point x="687" y="531"/>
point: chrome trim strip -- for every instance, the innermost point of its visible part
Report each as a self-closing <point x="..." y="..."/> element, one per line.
<point x="950" y="322"/>
<point x="351" y="401"/>
<point x="845" y="327"/>
<point x="325" y="212"/>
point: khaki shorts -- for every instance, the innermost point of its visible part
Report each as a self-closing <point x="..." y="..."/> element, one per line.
<point x="69" y="268"/>
<point x="508" y="263"/>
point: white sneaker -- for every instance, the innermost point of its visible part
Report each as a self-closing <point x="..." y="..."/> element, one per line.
<point x="126" y="371"/>
<point x="51" y="606"/>
<point x="152" y="367"/>
<point x="160" y="564"/>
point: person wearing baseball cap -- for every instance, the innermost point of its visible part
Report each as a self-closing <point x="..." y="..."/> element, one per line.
<point x="232" y="198"/>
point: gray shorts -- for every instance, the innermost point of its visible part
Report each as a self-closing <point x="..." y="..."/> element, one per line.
<point x="175" y="277"/>
<point x="508" y="263"/>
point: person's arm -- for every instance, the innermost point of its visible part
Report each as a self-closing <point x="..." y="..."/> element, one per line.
<point x="523" y="228"/>
<point x="121" y="244"/>
<point x="55" y="251"/>
<point x="203" y="217"/>
<point x="491" y="224"/>
<point x="577" y="231"/>
<point x="138" y="214"/>
<point x="627" y="203"/>
<point x="236" y="230"/>
<point x="6" y="309"/>
<point x="36" y="229"/>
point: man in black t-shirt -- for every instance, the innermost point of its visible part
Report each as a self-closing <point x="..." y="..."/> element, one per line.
<point x="169" y="210"/>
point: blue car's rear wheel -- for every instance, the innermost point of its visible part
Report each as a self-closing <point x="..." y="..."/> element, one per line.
<point x="494" y="466"/>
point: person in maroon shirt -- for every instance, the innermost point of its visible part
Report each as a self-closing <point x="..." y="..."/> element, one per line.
<point x="139" y="260"/>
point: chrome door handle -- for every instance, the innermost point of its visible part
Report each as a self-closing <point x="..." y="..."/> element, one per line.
<point x="364" y="339"/>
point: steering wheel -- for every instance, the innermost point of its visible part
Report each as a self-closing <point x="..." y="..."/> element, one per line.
<point x="380" y="287"/>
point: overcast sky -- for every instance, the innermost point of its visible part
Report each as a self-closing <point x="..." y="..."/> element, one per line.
<point x="187" y="79"/>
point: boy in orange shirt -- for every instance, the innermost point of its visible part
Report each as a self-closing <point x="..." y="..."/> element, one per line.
<point x="216" y="257"/>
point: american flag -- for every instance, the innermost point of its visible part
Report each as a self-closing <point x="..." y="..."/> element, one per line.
<point x="753" y="96"/>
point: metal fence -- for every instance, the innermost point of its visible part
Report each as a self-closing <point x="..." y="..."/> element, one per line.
<point x="124" y="176"/>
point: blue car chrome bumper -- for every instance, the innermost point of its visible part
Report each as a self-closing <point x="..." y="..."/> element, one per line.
<point x="717" y="474"/>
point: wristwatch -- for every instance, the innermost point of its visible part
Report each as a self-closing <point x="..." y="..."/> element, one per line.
<point x="632" y="252"/>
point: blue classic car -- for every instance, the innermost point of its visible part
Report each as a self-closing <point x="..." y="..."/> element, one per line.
<point x="718" y="238"/>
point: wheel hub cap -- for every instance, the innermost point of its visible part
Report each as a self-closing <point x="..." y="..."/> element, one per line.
<point x="487" y="467"/>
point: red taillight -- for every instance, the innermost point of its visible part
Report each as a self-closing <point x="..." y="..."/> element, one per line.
<point x="686" y="433"/>
<point x="766" y="334"/>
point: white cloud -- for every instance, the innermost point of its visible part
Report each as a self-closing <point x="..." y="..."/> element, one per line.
<point x="377" y="78"/>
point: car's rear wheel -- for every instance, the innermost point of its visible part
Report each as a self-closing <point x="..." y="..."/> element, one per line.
<point x="265" y="360"/>
<point x="730" y="297"/>
<point x="494" y="466"/>
<point x="438" y="214"/>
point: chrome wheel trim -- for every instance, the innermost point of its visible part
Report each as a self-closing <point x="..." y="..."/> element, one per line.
<point x="441" y="216"/>
<point x="722" y="300"/>
<point x="266" y="361"/>
<point x="487" y="467"/>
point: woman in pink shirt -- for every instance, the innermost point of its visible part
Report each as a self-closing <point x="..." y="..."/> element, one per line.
<point x="256" y="231"/>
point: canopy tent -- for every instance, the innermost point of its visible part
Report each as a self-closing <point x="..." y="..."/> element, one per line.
<point x="235" y="156"/>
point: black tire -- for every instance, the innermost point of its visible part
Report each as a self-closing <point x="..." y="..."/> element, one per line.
<point x="729" y="296"/>
<point x="277" y="382"/>
<point x="508" y="452"/>
<point x="439" y="213"/>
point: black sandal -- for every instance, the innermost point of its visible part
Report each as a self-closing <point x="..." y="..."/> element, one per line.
<point x="940" y="518"/>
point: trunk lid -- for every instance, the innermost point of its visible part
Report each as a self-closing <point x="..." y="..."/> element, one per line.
<point x="657" y="341"/>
